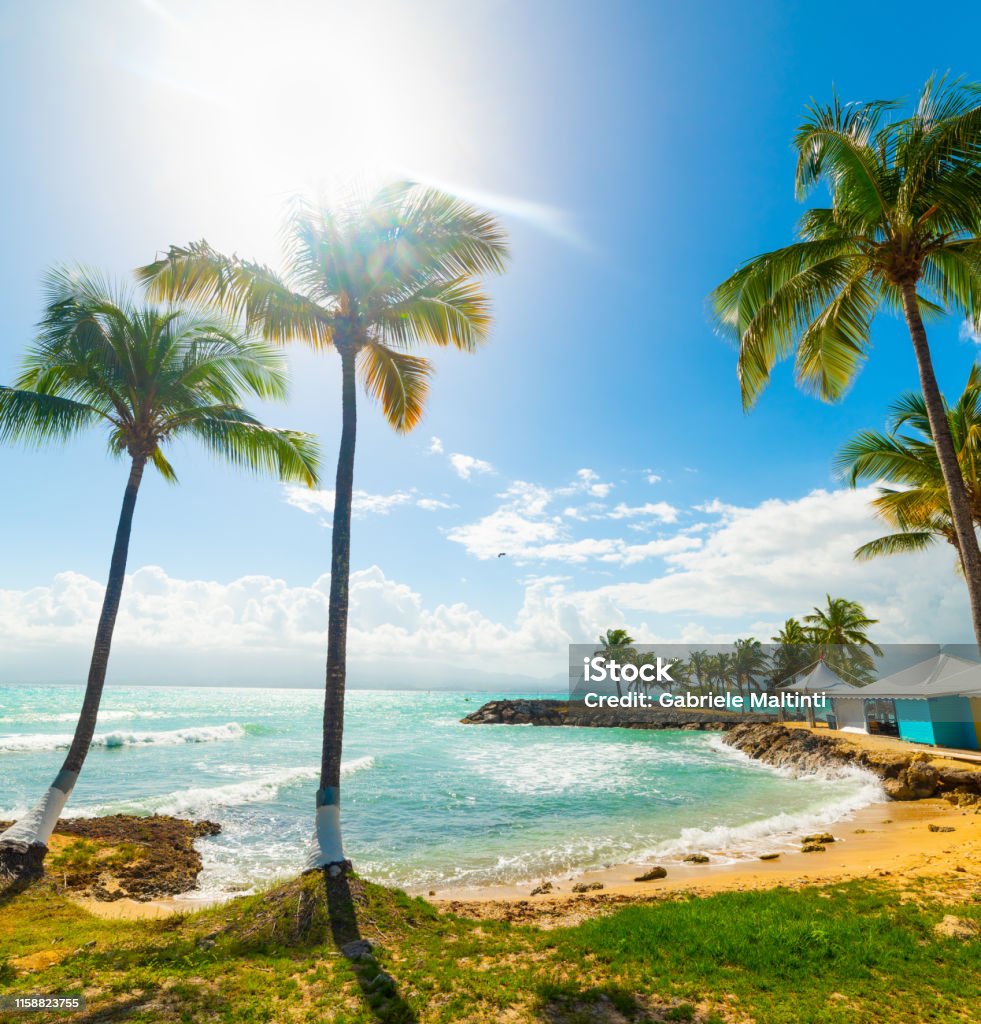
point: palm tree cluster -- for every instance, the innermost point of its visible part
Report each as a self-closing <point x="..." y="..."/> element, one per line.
<point x="836" y="633"/>
<point x="902" y="234"/>
<point x="370" y="280"/>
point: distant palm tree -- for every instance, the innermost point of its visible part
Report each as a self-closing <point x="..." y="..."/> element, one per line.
<point x="841" y="623"/>
<point x="839" y="632"/>
<point x="918" y="508"/>
<point x="903" y="233"/>
<point x="616" y="649"/>
<point x="369" y="280"/>
<point x="794" y="652"/>
<point x="149" y="376"/>
<point x="699" y="666"/>
<point x="750" y="663"/>
<point x="722" y="672"/>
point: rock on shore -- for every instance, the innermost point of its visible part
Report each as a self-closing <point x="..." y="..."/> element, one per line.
<point x="124" y="856"/>
<point x="911" y="775"/>
<point x="563" y="712"/>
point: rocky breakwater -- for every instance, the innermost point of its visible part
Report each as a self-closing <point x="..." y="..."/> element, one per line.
<point x="906" y="775"/>
<point x="574" y="713"/>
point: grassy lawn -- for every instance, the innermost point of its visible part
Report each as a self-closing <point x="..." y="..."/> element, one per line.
<point x="860" y="952"/>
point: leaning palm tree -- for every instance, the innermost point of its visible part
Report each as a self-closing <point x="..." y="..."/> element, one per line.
<point x="903" y="233"/>
<point x="148" y="376"/>
<point x="917" y="507"/>
<point x="370" y="281"/>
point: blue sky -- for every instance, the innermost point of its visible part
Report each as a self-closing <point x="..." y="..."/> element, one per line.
<point x="636" y="152"/>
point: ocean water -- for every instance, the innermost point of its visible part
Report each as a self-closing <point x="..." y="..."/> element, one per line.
<point x="427" y="802"/>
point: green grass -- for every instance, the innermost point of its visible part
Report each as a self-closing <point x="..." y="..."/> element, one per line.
<point x="845" y="954"/>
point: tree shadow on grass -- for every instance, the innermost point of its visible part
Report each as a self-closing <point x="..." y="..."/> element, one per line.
<point x="607" y="1004"/>
<point x="11" y="889"/>
<point x="345" y="897"/>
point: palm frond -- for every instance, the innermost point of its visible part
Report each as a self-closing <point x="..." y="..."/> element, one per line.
<point x="37" y="418"/>
<point x="400" y="382"/>
<point x="895" y="544"/>
<point x="239" y="439"/>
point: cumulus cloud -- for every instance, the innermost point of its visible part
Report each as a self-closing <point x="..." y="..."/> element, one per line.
<point x="761" y="563"/>
<point x="466" y="465"/>
<point x="652" y="478"/>
<point x="258" y="628"/>
<point x="435" y="446"/>
<point x="744" y="573"/>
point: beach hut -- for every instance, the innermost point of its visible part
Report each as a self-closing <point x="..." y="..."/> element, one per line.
<point x="821" y="680"/>
<point x="934" y="702"/>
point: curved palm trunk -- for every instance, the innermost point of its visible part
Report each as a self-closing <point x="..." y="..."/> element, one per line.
<point x="960" y="508"/>
<point x="23" y="846"/>
<point x="327" y="849"/>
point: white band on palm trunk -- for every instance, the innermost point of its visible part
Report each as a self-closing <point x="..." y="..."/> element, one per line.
<point x="35" y="828"/>
<point x="326" y="846"/>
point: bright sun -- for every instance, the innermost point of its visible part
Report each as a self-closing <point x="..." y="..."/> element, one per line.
<point x="310" y="95"/>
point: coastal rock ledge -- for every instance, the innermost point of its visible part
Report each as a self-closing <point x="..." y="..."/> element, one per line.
<point x="563" y="712"/>
<point x="906" y="775"/>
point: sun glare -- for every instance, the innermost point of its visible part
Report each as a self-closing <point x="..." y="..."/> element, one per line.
<point x="311" y="96"/>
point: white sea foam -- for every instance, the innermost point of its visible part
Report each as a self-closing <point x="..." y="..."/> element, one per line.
<point x="26" y="743"/>
<point x="205" y="801"/>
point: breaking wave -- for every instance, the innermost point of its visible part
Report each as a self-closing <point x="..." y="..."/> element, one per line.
<point x="20" y="744"/>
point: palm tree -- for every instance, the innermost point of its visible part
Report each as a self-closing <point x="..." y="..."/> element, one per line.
<point x="721" y="671"/>
<point x="699" y="665"/>
<point x="615" y="648"/>
<point x="918" y="509"/>
<point x="148" y="376"/>
<point x="369" y="280"/>
<point x="750" y="662"/>
<point x="839" y="632"/>
<point x="903" y="233"/>
<point x="795" y="651"/>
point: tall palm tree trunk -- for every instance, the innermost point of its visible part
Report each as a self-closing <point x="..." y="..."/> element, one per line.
<point x="328" y="847"/>
<point x="960" y="508"/>
<point x="23" y="846"/>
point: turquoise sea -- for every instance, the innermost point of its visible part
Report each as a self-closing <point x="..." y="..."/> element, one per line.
<point x="428" y="803"/>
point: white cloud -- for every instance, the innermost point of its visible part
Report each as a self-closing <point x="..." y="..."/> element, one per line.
<point x="523" y="527"/>
<point x="260" y="629"/>
<point x="362" y="503"/>
<point x="652" y="478"/>
<point x="435" y="446"/>
<point x="591" y="483"/>
<point x="433" y="504"/>
<point x="969" y="332"/>
<point x="749" y="569"/>
<point x="466" y="465"/>
<point x="780" y="557"/>
<point x="660" y="510"/>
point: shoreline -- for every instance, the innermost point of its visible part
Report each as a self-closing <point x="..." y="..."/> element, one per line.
<point x="881" y="840"/>
<point x="890" y="840"/>
<point x="892" y="837"/>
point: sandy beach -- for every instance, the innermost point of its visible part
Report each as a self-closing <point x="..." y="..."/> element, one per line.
<point x="888" y="840"/>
